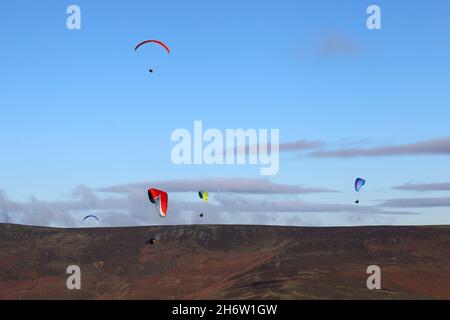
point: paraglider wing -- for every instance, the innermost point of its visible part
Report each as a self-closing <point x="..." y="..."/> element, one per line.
<point x="160" y="199"/>
<point x="91" y="216"/>
<point x="153" y="41"/>
<point x="359" y="183"/>
<point x="203" y="195"/>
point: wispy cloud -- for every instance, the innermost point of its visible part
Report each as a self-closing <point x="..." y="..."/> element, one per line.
<point x="299" y="145"/>
<point x="424" y="187"/>
<point x="69" y="213"/>
<point x="230" y="185"/>
<point x="126" y="205"/>
<point x="417" y="203"/>
<point x="440" y="146"/>
<point x="429" y="147"/>
<point x="333" y="44"/>
<point x="242" y="204"/>
<point x="328" y="44"/>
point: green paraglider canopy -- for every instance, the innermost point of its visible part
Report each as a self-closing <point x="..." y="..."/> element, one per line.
<point x="203" y="195"/>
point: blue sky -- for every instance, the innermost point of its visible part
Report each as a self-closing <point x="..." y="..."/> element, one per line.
<point x="78" y="107"/>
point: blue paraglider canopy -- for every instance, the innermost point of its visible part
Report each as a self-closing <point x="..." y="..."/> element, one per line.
<point x="359" y="183"/>
<point x="91" y="216"/>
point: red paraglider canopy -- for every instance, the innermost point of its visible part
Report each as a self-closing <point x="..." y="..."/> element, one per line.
<point x="160" y="199"/>
<point x="154" y="41"/>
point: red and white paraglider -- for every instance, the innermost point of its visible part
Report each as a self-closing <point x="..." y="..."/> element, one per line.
<point x="160" y="199"/>
<point x="160" y="43"/>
